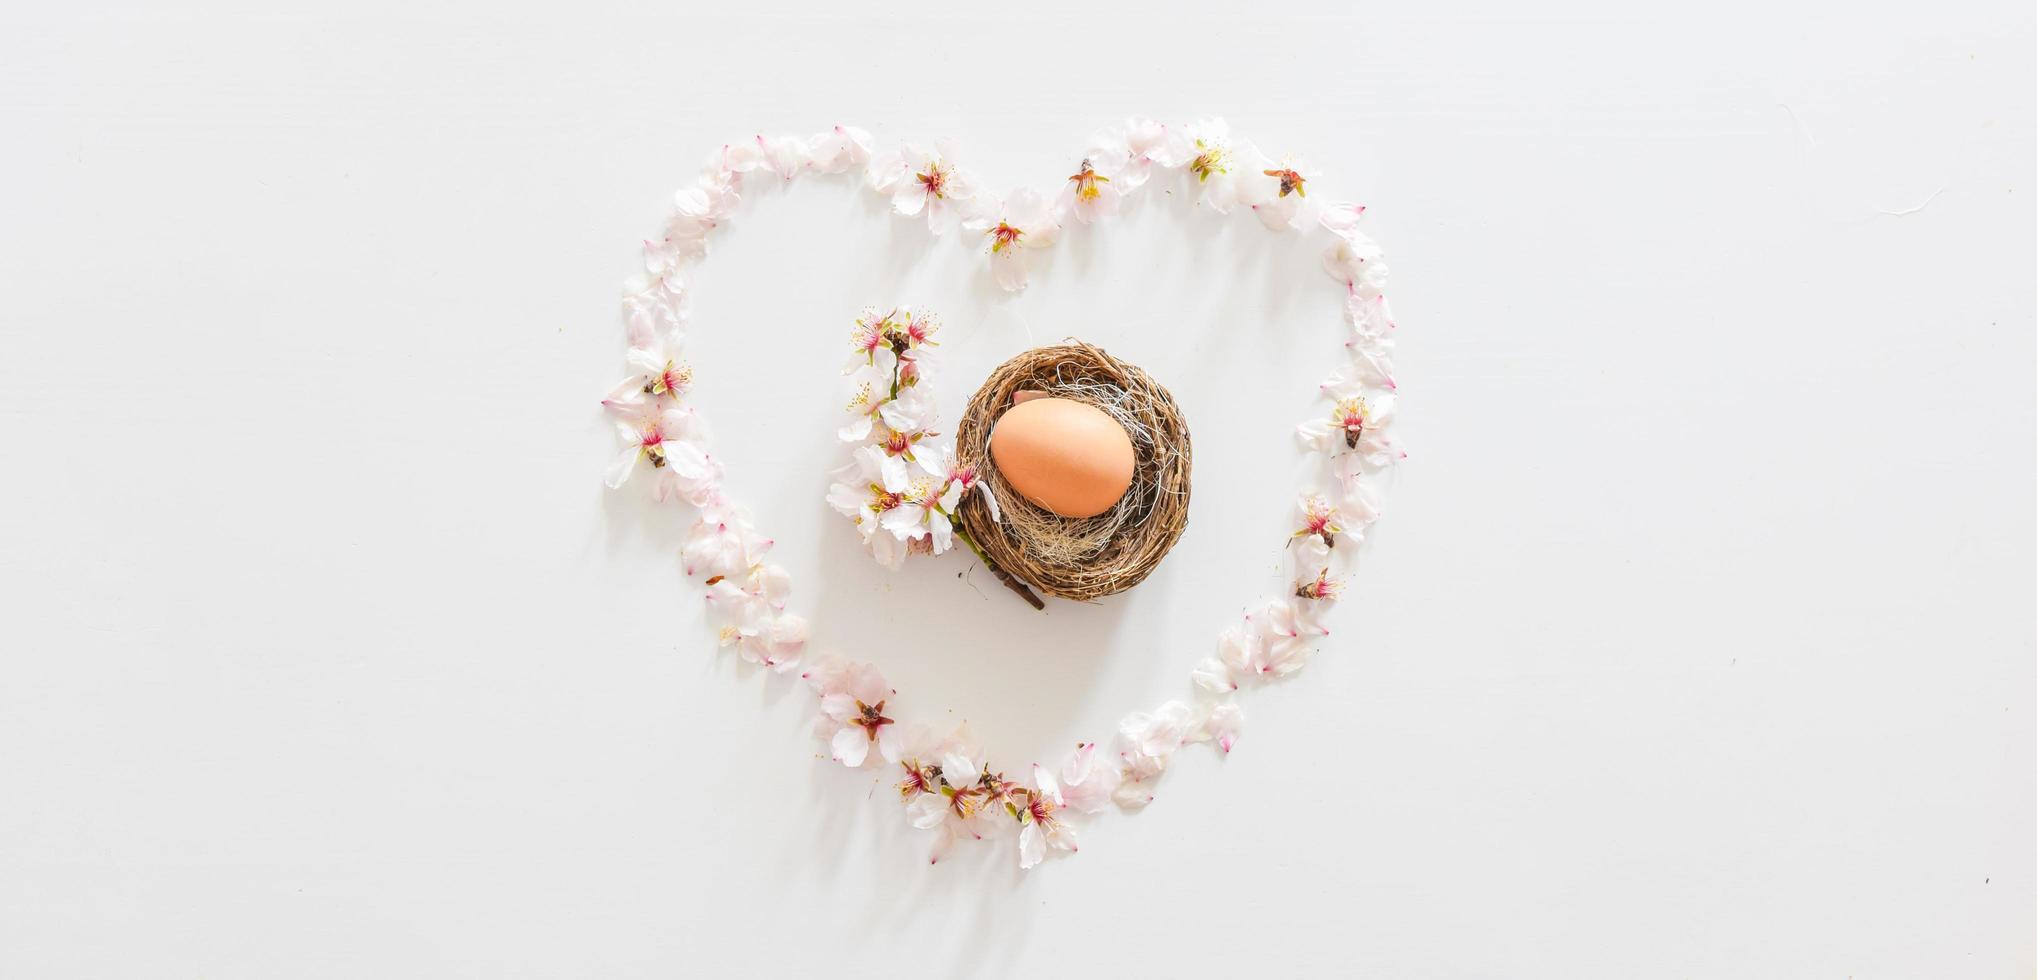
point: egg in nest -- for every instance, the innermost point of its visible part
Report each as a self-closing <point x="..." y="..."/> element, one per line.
<point x="1067" y="456"/>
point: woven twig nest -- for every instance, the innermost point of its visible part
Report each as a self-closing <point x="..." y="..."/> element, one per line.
<point x="1092" y="557"/>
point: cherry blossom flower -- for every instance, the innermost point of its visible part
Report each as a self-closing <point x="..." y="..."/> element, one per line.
<point x="1320" y="525"/>
<point x="926" y="510"/>
<point x="862" y="492"/>
<point x="1371" y="321"/>
<point x="1223" y="724"/>
<point x="1359" y="502"/>
<point x="1353" y="259"/>
<point x="1090" y="192"/>
<point x="754" y="621"/>
<point x="1088" y="779"/>
<point x="1146" y="742"/>
<point x="968" y="479"/>
<point x="922" y="778"/>
<point x="783" y="155"/>
<point x="918" y="327"/>
<point x="1322" y="589"/>
<point x="760" y="636"/>
<point x="696" y="212"/>
<point x="665" y="257"/>
<point x="1023" y="223"/>
<point x="655" y="307"/>
<point x="1250" y="655"/>
<point x="1212" y="674"/>
<point x="661" y="374"/>
<point x="1287" y="633"/>
<point x="839" y="149"/>
<point x="1274" y="640"/>
<point x="1000" y="794"/>
<point x="869" y="392"/>
<point x="852" y="718"/>
<point x="953" y="808"/>
<point x="1341" y="218"/>
<point x="1040" y="826"/>
<point x="1371" y="365"/>
<point x="1356" y="424"/>
<point x="1127" y="152"/>
<point x="1204" y="147"/>
<point x="919" y="756"/>
<point x="1274" y="191"/>
<point x="905" y="412"/>
<point x="751" y="608"/>
<point x="757" y="589"/>
<point x="658" y="435"/>
<point x="922" y="180"/>
<point x="722" y="542"/>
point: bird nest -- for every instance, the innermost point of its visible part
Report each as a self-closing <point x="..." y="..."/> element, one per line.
<point x="1091" y="557"/>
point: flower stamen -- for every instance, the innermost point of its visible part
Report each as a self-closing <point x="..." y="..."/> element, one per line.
<point x="1291" y="182"/>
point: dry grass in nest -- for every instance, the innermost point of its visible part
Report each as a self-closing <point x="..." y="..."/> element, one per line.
<point x="1080" y="558"/>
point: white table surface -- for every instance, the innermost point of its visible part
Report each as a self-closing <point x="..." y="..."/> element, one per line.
<point x="1696" y="640"/>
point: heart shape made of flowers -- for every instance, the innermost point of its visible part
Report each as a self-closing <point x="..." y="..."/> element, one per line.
<point x="946" y="784"/>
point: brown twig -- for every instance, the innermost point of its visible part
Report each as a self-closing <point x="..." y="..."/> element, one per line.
<point x="1010" y="581"/>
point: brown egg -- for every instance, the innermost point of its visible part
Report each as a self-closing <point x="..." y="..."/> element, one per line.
<point x="1067" y="456"/>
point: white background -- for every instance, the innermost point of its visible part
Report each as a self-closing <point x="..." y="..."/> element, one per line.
<point x="1696" y="640"/>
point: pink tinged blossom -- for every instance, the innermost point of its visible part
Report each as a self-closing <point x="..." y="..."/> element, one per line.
<point x="1370" y="365"/>
<point x="1141" y="139"/>
<point x="919" y="329"/>
<point x="1224" y="723"/>
<point x="1276" y="192"/>
<point x="1040" y="823"/>
<point x="696" y="212"/>
<point x="1089" y="778"/>
<point x="920" y="779"/>
<point x="863" y="492"/>
<point x="954" y="808"/>
<point x="1341" y="219"/>
<point x="656" y="437"/>
<point x="908" y="413"/>
<point x="783" y="155"/>
<point x="758" y="588"/>
<point x="1204" y="148"/>
<point x="869" y="392"/>
<point x="1355" y="430"/>
<point x="1239" y="651"/>
<point x="1213" y="675"/>
<point x="1318" y="527"/>
<point x="926" y="512"/>
<point x="1359" y="503"/>
<point x="774" y="642"/>
<point x="839" y="149"/>
<point x="722" y="543"/>
<point x="1371" y="320"/>
<point x="1285" y="635"/>
<point x="665" y="257"/>
<point x="1322" y="590"/>
<point x="1146" y="742"/>
<point x="1265" y="647"/>
<point x="1090" y="193"/>
<point x="852" y="719"/>
<point x="1354" y="260"/>
<point x="919" y="180"/>
<point x="661" y="374"/>
<point x="1024" y="223"/>
<point x="871" y="335"/>
<point x="655" y="308"/>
